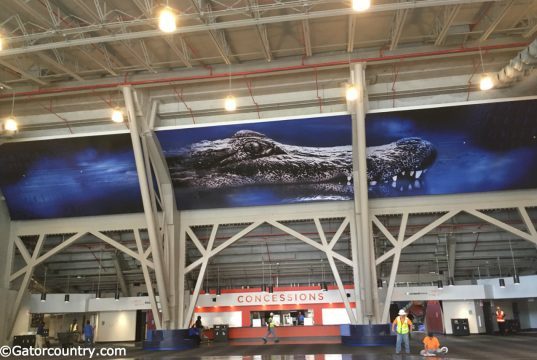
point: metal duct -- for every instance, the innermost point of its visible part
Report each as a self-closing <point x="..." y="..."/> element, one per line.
<point x="519" y="66"/>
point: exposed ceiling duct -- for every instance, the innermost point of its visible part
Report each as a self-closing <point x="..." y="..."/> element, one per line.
<point x="520" y="66"/>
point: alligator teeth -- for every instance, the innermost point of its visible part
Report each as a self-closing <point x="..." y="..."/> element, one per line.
<point x="424" y="171"/>
<point x="394" y="178"/>
<point x="417" y="184"/>
<point x="418" y="173"/>
<point x="401" y="188"/>
<point x="412" y="173"/>
<point x="372" y="183"/>
<point x="394" y="184"/>
<point x="409" y="186"/>
<point x="403" y="173"/>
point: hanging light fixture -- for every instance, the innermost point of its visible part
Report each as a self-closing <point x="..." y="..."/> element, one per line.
<point x="44" y="293"/>
<point x="207" y="288"/>
<point x="351" y="92"/>
<point x="1" y="43"/>
<point x="218" y="291"/>
<point x="98" y="293"/>
<point x="451" y="279"/>
<point x="263" y="286"/>
<point x="230" y="103"/>
<point x="439" y="283"/>
<point x="379" y="283"/>
<point x="10" y="124"/>
<point x="167" y="20"/>
<point x="66" y="298"/>
<point x="324" y="286"/>
<point x="271" y="289"/>
<point x="361" y="5"/>
<point x="501" y="281"/>
<point x="116" y="295"/>
<point x="486" y="82"/>
<point x="516" y="278"/>
<point x="117" y="115"/>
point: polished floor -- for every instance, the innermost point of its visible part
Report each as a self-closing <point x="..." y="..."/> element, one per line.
<point x="515" y="347"/>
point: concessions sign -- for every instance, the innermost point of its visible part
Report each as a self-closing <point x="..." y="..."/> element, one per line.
<point x="276" y="298"/>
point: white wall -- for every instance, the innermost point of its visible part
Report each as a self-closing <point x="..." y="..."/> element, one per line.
<point x="526" y="289"/>
<point x="422" y="293"/>
<point x="464" y="310"/>
<point x="336" y="316"/>
<point x="115" y="326"/>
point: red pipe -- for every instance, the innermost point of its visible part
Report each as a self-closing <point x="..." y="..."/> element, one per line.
<point x="266" y="71"/>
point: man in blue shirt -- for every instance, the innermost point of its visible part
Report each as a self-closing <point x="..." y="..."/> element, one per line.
<point x="88" y="334"/>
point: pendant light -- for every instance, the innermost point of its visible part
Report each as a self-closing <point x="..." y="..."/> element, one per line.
<point x="98" y="293"/>
<point x="486" y="82"/>
<point x="501" y="281"/>
<point x="218" y="291"/>
<point x="451" y="279"/>
<point x="324" y="286"/>
<point x="439" y="283"/>
<point x="116" y="295"/>
<point x="230" y="103"/>
<point x="67" y="297"/>
<point x="44" y="293"/>
<point x="379" y="283"/>
<point x="10" y="124"/>
<point x="207" y="289"/>
<point x="167" y="20"/>
<point x="271" y="286"/>
<point x="263" y="286"/>
<point x="351" y="92"/>
<point x="516" y="278"/>
<point x="361" y="5"/>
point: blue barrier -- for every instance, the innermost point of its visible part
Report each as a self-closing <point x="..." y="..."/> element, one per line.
<point x="179" y="339"/>
<point x="367" y="335"/>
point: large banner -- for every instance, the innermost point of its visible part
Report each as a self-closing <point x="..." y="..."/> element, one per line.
<point x="264" y="163"/>
<point x="70" y="177"/>
<point x="452" y="150"/>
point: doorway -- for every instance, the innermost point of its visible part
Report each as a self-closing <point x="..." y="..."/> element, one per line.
<point x="489" y="321"/>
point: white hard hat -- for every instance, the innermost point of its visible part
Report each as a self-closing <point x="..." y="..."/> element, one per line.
<point x="271" y="314"/>
<point x="402" y="312"/>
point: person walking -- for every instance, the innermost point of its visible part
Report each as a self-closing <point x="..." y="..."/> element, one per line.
<point x="88" y="334"/>
<point x="40" y="335"/>
<point x="402" y="326"/>
<point x="500" y="320"/>
<point x="271" y="329"/>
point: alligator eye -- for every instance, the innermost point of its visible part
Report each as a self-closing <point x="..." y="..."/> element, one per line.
<point x="253" y="147"/>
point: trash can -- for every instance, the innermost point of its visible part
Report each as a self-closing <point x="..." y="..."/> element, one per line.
<point x="460" y="327"/>
<point x="221" y="333"/>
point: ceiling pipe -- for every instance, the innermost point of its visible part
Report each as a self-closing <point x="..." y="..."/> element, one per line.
<point x="225" y="75"/>
<point x="518" y="66"/>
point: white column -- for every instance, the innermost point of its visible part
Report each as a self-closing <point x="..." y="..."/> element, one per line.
<point x="148" y="209"/>
<point x="361" y="208"/>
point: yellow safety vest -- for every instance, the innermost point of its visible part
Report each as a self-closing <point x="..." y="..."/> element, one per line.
<point x="402" y="328"/>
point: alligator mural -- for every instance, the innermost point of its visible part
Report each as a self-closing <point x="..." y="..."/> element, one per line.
<point x="249" y="157"/>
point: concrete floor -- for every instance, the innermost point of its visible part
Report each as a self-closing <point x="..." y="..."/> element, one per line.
<point x="515" y="347"/>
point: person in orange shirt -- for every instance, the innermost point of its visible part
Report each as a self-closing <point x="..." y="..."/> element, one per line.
<point x="431" y="346"/>
<point x="402" y="326"/>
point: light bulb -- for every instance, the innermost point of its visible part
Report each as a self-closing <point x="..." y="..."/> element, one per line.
<point x="166" y="20"/>
<point x="486" y="83"/>
<point x="361" y="5"/>
<point x="117" y="115"/>
<point x="1" y="44"/>
<point x="351" y="93"/>
<point x="230" y="103"/>
<point x="10" y="124"/>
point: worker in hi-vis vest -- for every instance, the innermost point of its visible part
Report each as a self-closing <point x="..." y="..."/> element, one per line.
<point x="500" y="320"/>
<point x="402" y="326"/>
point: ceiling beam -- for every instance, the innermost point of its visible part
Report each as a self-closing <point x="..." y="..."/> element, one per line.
<point x="397" y="29"/>
<point x="59" y="66"/>
<point x="497" y="21"/>
<point x="450" y="13"/>
<point x="262" y="31"/>
<point x="217" y="35"/>
<point x="307" y="37"/>
<point x="351" y="33"/>
<point x="23" y="73"/>
<point x="531" y="31"/>
<point x="213" y="26"/>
